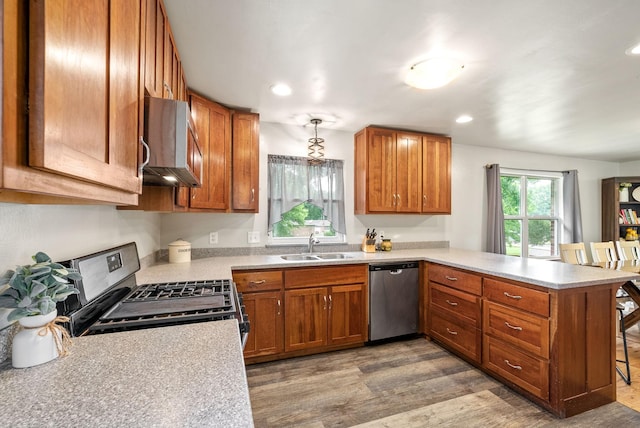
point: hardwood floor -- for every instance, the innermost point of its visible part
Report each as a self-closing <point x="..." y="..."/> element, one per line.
<point x="412" y="383"/>
<point x="629" y="395"/>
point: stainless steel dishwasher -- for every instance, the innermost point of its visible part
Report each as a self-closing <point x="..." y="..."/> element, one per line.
<point x="393" y="300"/>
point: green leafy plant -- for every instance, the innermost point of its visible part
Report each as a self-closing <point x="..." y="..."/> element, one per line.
<point x="35" y="289"/>
<point x="623" y="185"/>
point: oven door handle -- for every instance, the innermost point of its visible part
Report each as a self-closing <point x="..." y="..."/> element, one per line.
<point x="243" y="339"/>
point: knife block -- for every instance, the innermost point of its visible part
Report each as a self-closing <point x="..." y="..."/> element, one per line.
<point x="368" y="245"/>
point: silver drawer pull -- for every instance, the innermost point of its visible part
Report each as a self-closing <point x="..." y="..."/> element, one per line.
<point x="262" y="281"/>
<point x="513" y="327"/>
<point x="451" y="278"/>
<point x="454" y="333"/>
<point x="452" y="303"/>
<point x="512" y="296"/>
<point x="512" y="366"/>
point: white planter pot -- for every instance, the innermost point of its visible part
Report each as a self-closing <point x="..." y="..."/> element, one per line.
<point x="30" y="346"/>
<point x="624" y="194"/>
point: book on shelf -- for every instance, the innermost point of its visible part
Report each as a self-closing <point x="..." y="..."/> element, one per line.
<point x="628" y="216"/>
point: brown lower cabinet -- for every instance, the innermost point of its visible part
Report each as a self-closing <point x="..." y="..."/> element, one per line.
<point x="301" y="311"/>
<point x="556" y="347"/>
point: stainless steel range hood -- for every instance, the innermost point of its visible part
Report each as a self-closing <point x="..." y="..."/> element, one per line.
<point x="174" y="153"/>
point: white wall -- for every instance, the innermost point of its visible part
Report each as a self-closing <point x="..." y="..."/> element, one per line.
<point x="631" y="169"/>
<point x="64" y="232"/>
<point x="463" y="229"/>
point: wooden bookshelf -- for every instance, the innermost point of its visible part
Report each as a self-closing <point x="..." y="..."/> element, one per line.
<point x="612" y="228"/>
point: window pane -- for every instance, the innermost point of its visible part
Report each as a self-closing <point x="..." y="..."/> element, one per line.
<point x="303" y="220"/>
<point x="540" y="197"/>
<point x="513" y="237"/>
<point x="510" y="195"/>
<point x="542" y="238"/>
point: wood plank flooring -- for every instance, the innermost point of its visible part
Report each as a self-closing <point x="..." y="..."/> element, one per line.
<point x="413" y="383"/>
<point x="629" y="395"/>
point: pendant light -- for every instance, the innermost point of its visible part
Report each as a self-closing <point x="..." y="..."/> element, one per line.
<point x="316" y="145"/>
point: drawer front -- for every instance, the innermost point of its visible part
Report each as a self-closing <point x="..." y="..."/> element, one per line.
<point x="455" y="278"/>
<point x="463" y="305"/>
<point x="248" y="281"/>
<point x="321" y="276"/>
<point x="519" y="297"/>
<point x="526" y="331"/>
<point x="459" y="336"/>
<point x="529" y="373"/>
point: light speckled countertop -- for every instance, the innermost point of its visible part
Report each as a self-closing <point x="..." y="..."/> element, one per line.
<point x="550" y="274"/>
<point x="189" y="375"/>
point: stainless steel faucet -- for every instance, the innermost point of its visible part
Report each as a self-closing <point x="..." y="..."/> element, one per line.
<point x="312" y="240"/>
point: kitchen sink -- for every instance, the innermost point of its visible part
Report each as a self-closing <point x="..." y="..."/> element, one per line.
<point x="334" y="256"/>
<point x="316" y="256"/>
<point x="299" y="257"/>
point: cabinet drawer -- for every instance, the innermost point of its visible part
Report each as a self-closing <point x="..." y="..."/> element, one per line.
<point x="320" y="276"/>
<point x="530" y="373"/>
<point x="248" y="281"/>
<point x="519" y="297"/>
<point x="456" y="279"/>
<point x="529" y="332"/>
<point x="458" y="335"/>
<point x="463" y="305"/>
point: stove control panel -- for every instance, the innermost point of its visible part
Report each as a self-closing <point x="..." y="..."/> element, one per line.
<point x="114" y="262"/>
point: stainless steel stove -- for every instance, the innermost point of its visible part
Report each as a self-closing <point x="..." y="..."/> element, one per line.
<point x="110" y="300"/>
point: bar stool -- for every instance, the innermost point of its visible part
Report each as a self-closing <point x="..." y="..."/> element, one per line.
<point x="627" y="377"/>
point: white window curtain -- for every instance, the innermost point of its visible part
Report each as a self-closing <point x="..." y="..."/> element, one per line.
<point x="293" y="180"/>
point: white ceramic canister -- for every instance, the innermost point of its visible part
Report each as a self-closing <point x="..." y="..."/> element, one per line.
<point x="179" y="251"/>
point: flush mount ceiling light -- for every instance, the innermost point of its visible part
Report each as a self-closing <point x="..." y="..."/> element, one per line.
<point x="281" y="89"/>
<point x="316" y="145"/>
<point x="433" y="73"/>
<point x="465" y="118"/>
<point x="633" y="50"/>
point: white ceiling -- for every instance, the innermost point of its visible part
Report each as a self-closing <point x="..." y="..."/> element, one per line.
<point x="544" y="76"/>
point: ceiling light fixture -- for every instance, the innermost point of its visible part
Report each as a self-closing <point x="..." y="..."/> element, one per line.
<point x="316" y="145"/>
<point x="281" y="89"/>
<point x="433" y="73"/>
<point x="465" y="118"/>
<point x="633" y="50"/>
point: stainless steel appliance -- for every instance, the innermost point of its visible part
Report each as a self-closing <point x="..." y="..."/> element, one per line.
<point x="174" y="157"/>
<point x="110" y="300"/>
<point x="393" y="300"/>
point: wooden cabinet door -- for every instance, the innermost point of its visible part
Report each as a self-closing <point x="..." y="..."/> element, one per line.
<point x="306" y="318"/>
<point x="408" y="172"/>
<point x="381" y="171"/>
<point x="84" y="90"/>
<point x="436" y="175"/>
<point x="266" y="317"/>
<point x="213" y="123"/>
<point x="245" y="169"/>
<point x="155" y="20"/>
<point x="347" y="314"/>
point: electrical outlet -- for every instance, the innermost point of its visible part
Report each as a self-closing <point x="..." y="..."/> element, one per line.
<point x="381" y="233"/>
<point x="253" y="237"/>
<point x="213" y="238"/>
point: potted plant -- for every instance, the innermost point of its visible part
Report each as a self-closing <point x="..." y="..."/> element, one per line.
<point x="624" y="191"/>
<point x="32" y="291"/>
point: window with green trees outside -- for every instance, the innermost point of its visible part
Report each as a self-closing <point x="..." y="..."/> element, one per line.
<point x="532" y="217"/>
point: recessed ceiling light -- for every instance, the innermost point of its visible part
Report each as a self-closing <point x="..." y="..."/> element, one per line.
<point x="433" y="73"/>
<point x="465" y="118"/>
<point x="281" y="89"/>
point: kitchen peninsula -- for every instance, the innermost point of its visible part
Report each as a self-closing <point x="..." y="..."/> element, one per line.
<point x="566" y="348"/>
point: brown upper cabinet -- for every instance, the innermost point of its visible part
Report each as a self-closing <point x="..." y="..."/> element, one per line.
<point x="245" y="167"/>
<point x="402" y="172"/>
<point x="71" y="129"/>
<point x="213" y="124"/>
